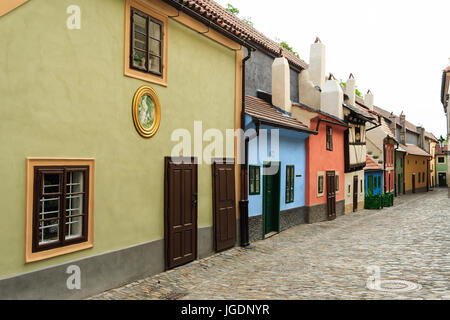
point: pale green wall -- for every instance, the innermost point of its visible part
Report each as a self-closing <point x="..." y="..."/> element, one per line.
<point x="63" y="94"/>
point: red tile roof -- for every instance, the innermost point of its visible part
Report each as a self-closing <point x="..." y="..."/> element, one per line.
<point x="415" y="150"/>
<point x="440" y="150"/>
<point x="372" y="164"/>
<point x="229" y="22"/>
<point x="263" y="111"/>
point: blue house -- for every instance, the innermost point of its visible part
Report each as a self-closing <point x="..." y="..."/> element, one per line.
<point x="373" y="173"/>
<point x="277" y="176"/>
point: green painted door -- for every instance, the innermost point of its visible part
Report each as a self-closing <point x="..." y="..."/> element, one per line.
<point x="370" y="185"/>
<point x="271" y="197"/>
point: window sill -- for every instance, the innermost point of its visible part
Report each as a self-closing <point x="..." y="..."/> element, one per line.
<point x="145" y="77"/>
<point x="43" y="255"/>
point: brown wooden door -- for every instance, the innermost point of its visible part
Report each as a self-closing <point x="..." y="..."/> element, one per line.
<point x="224" y="205"/>
<point x="355" y="193"/>
<point x="414" y="183"/>
<point x="180" y="212"/>
<point x="331" y="195"/>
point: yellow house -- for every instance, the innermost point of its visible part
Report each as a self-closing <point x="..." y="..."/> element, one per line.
<point x="416" y="168"/>
<point x="431" y="142"/>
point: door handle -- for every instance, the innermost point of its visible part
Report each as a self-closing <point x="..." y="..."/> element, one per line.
<point x="194" y="199"/>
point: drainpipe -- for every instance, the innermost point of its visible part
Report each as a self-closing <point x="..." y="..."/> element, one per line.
<point x="243" y="203"/>
<point x="396" y="187"/>
<point x="384" y="165"/>
<point x="404" y="173"/>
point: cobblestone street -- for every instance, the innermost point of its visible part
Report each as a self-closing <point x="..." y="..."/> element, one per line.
<point x="408" y="242"/>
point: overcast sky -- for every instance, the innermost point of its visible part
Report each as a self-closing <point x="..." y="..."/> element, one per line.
<point x="395" y="48"/>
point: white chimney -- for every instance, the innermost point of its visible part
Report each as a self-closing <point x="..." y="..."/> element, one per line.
<point x="317" y="63"/>
<point x="351" y="89"/>
<point x="368" y="100"/>
<point x="281" y="84"/>
<point x="332" y="98"/>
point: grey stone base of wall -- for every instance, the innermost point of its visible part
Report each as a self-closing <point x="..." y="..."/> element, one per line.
<point x="98" y="273"/>
<point x="292" y="217"/>
<point x="319" y="213"/>
<point x="255" y="228"/>
<point x="288" y="219"/>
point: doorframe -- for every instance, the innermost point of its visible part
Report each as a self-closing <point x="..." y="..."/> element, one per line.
<point x="278" y="201"/>
<point x="214" y="162"/>
<point x="167" y="160"/>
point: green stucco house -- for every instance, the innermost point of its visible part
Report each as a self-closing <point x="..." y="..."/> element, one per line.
<point x="92" y="94"/>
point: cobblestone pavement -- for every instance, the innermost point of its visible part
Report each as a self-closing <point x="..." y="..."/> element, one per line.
<point x="409" y="242"/>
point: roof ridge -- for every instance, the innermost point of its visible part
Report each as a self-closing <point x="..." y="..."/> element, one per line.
<point x="230" y="22"/>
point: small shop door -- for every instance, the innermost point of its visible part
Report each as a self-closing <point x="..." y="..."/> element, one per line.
<point x="355" y="193"/>
<point x="224" y="205"/>
<point x="271" y="197"/>
<point x="370" y="185"/>
<point x="180" y="222"/>
<point x="331" y="195"/>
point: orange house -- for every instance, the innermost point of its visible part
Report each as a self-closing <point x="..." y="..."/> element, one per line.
<point x="325" y="164"/>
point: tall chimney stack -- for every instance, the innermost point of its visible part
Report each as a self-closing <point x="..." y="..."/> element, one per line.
<point x="422" y="137"/>
<point x="317" y="63"/>
<point x="351" y="89"/>
<point x="368" y="100"/>
<point x="393" y="125"/>
<point x="281" y="85"/>
<point x="332" y="98"/>
<point x="403" y="129"/>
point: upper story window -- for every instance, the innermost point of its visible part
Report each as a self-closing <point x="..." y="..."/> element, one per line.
<point x="146" y="41"/>
<point x="441" y="159"/>
<point x="357" y="134"/>
<point x="147" y="35"/>
<point x="329" y="138"/>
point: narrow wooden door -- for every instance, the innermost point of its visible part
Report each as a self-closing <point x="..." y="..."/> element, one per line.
<point x="414" y="183"/>
<point x="355" y="193"/>
<point x="180" y="211"/>
<point x="331" y="195"/>
<point x="370" y="185"/>
<point x="442" y="180"/>
<point x="271" y="199"/>
<point x="224" y="205"/>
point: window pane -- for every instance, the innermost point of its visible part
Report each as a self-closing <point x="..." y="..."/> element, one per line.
<point x="140" y="23"/>
<point x="155" y="30"/>
<point x="139" y="59"/>
<point x="48" y="231"/>
<point x="74" y="228"/>
<point x="51" y="183"/>
<point x="75" y="182"/>
<point x="155" y="64"/>
<point x="155" y="46"/>
<point x="139" y="41"/>
<point x="49" y="207"/>
<point x="74" y="205"/>
<point x="252" y="186"/>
